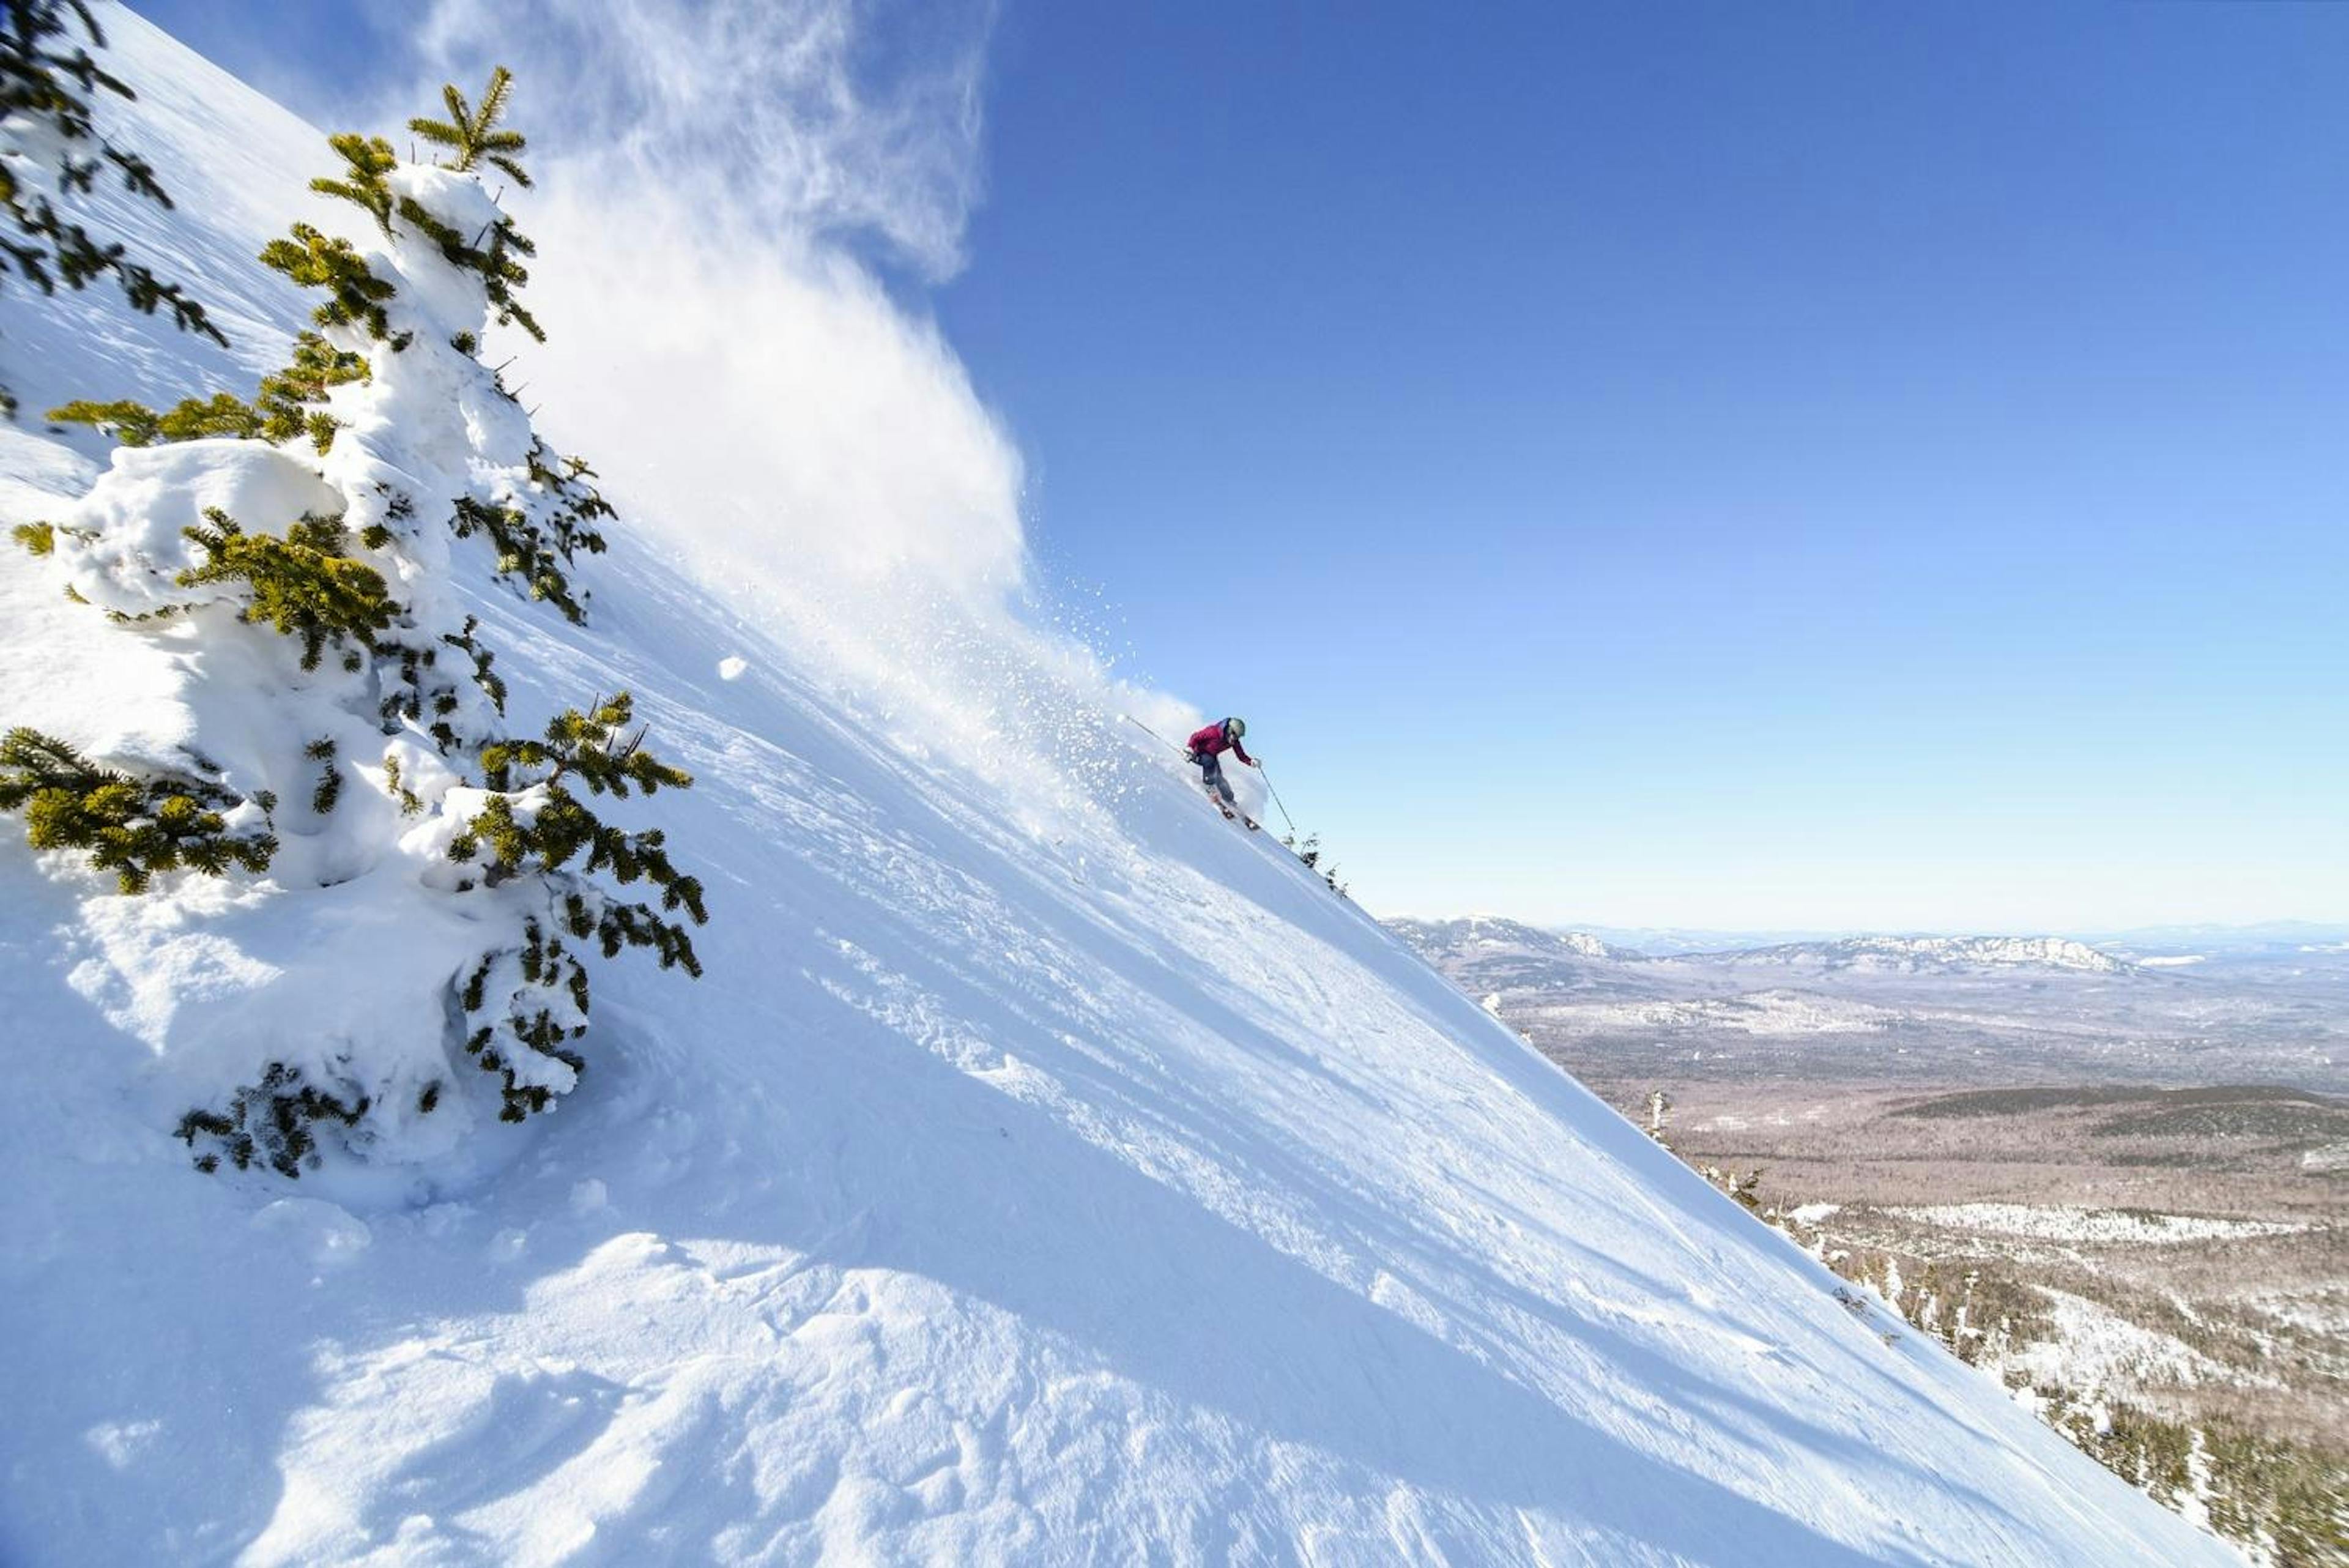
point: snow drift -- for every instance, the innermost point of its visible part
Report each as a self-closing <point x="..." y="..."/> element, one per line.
<point x="1045" y="1172"/>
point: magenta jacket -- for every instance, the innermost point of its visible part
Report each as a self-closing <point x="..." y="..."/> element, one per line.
<point x="1210" y="743"/>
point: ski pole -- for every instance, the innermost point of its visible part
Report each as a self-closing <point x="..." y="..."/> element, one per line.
<point x="1276" y="800"/>
<point x="1149" y="731"/>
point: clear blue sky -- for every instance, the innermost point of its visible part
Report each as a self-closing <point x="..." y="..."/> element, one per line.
<point x="1847" y="465"/>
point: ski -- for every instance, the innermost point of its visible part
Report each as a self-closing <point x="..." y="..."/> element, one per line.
<point x="1231" y="814"/>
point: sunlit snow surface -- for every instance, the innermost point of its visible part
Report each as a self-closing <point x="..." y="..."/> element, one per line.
<point x="1046" y="1171"/>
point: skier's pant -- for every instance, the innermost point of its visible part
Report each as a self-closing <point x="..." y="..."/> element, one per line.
<point x="1210" y="773"/>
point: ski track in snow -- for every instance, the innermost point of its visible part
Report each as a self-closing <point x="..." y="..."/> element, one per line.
<point x="1046" y="1180"/>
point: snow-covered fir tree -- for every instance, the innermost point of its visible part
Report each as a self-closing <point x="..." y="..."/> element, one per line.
<point x="337" y="746"/>
<point x="1311" y="852"/>
<point x="52" y="151"/>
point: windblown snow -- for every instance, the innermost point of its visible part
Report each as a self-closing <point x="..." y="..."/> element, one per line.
<point x="1046" y="1171"/>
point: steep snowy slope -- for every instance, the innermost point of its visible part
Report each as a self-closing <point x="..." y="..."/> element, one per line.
<point x="1044" y="1172"/>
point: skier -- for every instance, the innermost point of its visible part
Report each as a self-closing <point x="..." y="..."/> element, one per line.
<point x="1207" y="747"/>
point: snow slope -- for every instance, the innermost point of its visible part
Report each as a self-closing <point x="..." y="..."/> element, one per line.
<point x="1045" y="1172"/>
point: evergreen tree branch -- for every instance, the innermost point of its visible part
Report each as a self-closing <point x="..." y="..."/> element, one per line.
<point x="137" y="828"/>
<point x="302" y="583"/>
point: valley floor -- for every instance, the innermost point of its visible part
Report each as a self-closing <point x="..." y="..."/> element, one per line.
<point x="2163" y="1274"/>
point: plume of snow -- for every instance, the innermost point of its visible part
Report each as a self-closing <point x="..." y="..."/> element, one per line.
<point x="722" y="189"/>
<point x="808" y="119"/>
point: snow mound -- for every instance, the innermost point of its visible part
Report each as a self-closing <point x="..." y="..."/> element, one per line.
<point x="1046" y="1172"/>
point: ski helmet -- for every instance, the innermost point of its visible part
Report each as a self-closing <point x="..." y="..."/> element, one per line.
<point x="1236" y="728"/>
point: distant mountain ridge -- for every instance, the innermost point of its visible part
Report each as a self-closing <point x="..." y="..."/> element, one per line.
<point x="1485" y="955"/>
<point x="1492" y="949"/>
<point x="1496" y="934"/>
<point x="1933" y="954"/>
